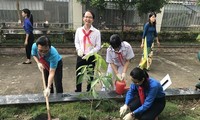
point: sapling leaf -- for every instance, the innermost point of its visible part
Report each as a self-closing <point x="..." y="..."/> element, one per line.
<point x="83" y="66"/>
<point x="94" y="83"/>
<point x="106" y="81"/>
<point x="94" y="93"/>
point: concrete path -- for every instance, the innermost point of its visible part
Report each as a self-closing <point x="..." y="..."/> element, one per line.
<point x="180" y="63"/>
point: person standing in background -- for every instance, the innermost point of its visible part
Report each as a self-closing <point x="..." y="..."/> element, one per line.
<point x="150" y="34"/>
<point x="87" y="42"/>
<point x="29" y="39"/>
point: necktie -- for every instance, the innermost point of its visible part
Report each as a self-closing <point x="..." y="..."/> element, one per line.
<point x="44" y="63"/>
<point x="86" y="37"/>
<point x="141" y="94"/>
<point x="120" y="57"/>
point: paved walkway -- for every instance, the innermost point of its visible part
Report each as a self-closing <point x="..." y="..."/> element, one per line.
<point x="17" y="78"/>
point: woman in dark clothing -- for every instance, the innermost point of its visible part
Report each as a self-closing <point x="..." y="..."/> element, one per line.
<point x="145" y="98"/>
<point x="29" y="39"/>
<point x="149" y="34"/>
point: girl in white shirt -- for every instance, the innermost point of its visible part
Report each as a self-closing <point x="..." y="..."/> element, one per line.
<point x="118" y="57"/>
<point x="87" y="42"/>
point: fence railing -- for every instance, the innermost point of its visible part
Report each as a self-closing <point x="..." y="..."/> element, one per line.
<point x="176" y="16"/>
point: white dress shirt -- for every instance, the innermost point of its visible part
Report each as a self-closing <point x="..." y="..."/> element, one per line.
<point x="95" y="39"/>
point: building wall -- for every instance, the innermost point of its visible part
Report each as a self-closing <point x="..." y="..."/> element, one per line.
<point x="77" y="14"/>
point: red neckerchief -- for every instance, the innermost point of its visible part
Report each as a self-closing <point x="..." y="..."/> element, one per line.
<point x="44" y="62"/>
<point x="85" y="37"/>
<point x="141" y="94"/>
<point x="120" y="57"/>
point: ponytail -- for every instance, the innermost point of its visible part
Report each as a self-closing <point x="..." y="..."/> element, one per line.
<point x="29" y="15"/>
<point x="31" y="18"/>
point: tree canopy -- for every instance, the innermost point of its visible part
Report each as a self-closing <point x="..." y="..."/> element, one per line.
<point x="146" y="6"/>
<point x="143" y="6"/>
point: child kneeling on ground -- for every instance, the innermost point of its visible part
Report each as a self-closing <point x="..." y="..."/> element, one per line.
<point x="145" y="98"/>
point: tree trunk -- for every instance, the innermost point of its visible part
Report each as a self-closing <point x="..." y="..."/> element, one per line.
<point x="18" y="12"/>
<point x="122" y="22"/>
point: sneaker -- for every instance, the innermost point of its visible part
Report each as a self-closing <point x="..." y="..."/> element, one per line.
<point x="26" y="62"/>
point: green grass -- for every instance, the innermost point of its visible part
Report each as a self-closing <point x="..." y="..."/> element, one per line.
<point x="106" y="110"/>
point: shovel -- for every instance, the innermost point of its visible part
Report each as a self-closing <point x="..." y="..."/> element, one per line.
<point x="46" y="97"/>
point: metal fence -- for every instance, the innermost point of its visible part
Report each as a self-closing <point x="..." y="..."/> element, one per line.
<point x="110" y="19"/>
<point x="53" y="11"/>
<point x="181" y="17"/>
<point x="176" y="16"/>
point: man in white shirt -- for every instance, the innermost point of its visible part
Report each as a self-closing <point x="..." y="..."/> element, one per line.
<point x="87" y="42"/>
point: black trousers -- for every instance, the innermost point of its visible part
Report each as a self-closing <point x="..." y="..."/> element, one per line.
<point x="28" y="47"/>
<point x="57" y="78"/>
<point x="79" y="63"/>
<point x="150" y="114"/>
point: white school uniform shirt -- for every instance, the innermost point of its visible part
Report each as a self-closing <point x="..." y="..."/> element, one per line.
<point x="95" y="39"/>
<point x="126" y="51"/>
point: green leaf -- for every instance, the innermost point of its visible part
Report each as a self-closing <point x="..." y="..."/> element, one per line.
<point x="80" y="79"/>
<point x="81" y="67"/>
<point x="100" y="62"/>
<point x="94" y="82"/>
<point x="79" y="74"/>
<point x="107" y="81"/>
<point x="86" y="76"/>
<point x="103" y="64"/>
<point x="94" y="93"/>
<point x="106" y="45"/>
<point x="198" y="37"/>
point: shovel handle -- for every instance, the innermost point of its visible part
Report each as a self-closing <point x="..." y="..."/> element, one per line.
<point x="43" y="80"/>
<point x="47" y="98"/>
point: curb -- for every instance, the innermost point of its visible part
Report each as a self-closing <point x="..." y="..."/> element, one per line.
<point x="181" y="93"/>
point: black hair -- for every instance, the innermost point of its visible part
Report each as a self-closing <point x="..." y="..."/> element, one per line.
<point x="29" y="15"/>
<point x="150" y="15"/>
<point x="139" y="74"/>
<point x="93" y="16"/>
<point x="115" y="41"/>
<point x="43" y="41"/>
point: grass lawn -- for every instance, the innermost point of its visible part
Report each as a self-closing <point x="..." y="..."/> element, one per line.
<point x="106" y="110"/>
